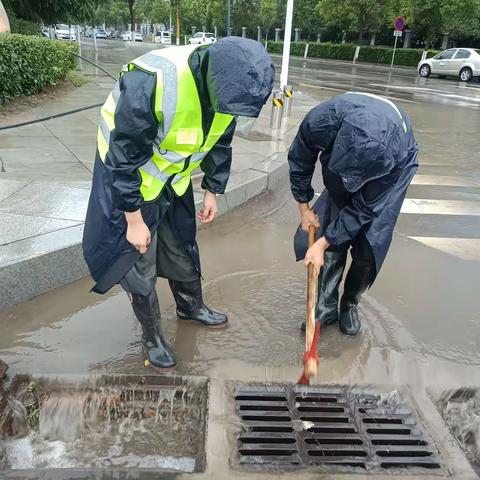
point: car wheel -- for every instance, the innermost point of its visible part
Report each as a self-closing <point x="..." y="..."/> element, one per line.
<point x="466" y="74"/>
<point x="425" y="71"/>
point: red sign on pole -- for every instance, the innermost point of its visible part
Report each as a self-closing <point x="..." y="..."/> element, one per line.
<point x="399" y="23"/>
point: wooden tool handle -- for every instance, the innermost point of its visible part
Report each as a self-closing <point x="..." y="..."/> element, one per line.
<point x="311" y="294"/>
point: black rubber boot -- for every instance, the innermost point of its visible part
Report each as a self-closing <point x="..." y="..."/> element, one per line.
<point x="190" y="306"/>
<point x="359" y="278"/>
<point x="147" y="311"/>
<point x="328" y="283"/>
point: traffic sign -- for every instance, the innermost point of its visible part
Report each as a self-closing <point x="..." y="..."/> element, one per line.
<point x="397" y="33"/>
<point x="399" y="23"/>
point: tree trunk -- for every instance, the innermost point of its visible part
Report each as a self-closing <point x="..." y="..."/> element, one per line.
<point x="360" y="36"/>
<point x="132" y="19"/>
<point x="177" y="30"/>
<point x="4" y="23"/>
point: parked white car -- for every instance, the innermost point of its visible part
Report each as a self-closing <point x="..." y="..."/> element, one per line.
<point x="64" y="32"/>
<point x="202" y="37"/>
<point x="163" y="37"/>
<point x="454" y="62"/>
<point x="127" y="37"/>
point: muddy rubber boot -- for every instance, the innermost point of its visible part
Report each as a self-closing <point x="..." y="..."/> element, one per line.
<point x="328" y="283"/>
<point x="190" y="306"/>
<point x="147" y="311"/>
<point x="359" y="278"/>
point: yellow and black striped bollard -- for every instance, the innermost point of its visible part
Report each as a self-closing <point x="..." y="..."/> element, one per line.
<point x="277" y="110"/>
<point x="288" y="96"/>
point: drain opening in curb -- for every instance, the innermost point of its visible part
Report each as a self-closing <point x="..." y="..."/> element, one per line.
<point x="336" y="428"/>
<point x="461" y="411"/>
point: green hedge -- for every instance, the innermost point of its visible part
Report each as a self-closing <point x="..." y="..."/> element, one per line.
<point x="24" y="27"/>
<point x="28" y="64"/>
<point x="408" y="57"/>
<point x="338" y="51"/>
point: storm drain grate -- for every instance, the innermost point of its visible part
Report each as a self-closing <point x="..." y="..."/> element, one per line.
<point x="330" y="427"/>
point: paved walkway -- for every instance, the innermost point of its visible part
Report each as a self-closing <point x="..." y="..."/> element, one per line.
<point x="45" y="177"/>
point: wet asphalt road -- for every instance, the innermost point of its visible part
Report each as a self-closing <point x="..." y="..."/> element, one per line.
<point x="421" y="318"/>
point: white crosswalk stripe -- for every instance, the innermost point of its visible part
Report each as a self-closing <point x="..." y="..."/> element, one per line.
<point x="467" y="249"/>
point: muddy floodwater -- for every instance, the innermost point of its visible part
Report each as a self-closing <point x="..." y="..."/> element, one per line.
<point x="420" y="323"/>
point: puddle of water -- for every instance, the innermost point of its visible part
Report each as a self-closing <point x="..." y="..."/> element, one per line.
<point x="461" y="411"/>
<point x="113" y="425"/>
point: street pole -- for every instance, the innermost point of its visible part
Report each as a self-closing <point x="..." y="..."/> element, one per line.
<point x="94" y="35"/>
<point x="393" y="54"/>
<point x="229" y="12"/>
<point x="286" y="45"/>
<point x="177" y="32"/>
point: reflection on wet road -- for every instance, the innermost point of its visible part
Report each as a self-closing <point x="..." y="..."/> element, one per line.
<point x="401" y="85"/>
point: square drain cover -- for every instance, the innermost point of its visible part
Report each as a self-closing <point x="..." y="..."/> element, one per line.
<point x="335" y="427"/>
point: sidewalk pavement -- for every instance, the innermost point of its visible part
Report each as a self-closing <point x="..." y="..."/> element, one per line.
<point x="45" y="176"/>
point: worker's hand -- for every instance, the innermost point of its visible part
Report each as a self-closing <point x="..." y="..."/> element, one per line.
<point x="138" y="233"/>
<point x="210" y="208"/>
<point x="308" y="217"/>
<point x="315" y="253"/>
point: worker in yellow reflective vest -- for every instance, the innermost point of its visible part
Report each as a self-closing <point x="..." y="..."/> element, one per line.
<point x="173" y="110"/>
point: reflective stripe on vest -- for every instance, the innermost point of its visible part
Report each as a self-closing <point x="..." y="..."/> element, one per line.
<point x="180" y="145"/>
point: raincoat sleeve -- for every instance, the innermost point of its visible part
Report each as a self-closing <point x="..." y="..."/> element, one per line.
<point x="316" y="133"/>
<point x="132" y="138"/>
<point x="366" y="204"/>
<point x="216" y="165"/>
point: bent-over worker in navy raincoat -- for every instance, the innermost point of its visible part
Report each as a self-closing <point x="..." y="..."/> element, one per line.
<point x="172" y="110"/>
<point x="368" y="156"/>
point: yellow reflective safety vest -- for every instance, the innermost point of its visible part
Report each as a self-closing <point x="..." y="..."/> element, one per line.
<point x="180" y="144"/>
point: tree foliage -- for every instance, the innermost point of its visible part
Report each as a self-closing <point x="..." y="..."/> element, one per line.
<point x="429" y="19"/>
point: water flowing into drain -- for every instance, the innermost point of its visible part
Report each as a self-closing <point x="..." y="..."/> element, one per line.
<point x="461" y="411"/>
<point x="129" y="426"/>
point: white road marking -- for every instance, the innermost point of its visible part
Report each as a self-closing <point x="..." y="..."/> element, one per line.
<point x="444" y="180"/>
<point x="347" y="89"/>
<point x="440" y="207"/>
<point x="430" y="92"/>
<point x="463" y="248"/>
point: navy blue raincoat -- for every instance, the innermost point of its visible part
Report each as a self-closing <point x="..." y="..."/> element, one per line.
<point x="233" y="76"/>
<point x="368" y="156"/>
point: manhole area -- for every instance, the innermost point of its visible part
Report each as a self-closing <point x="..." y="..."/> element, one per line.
<point x="461" y="411"/>
<point x="334" y="428"/>
<point x="130" y="421"/>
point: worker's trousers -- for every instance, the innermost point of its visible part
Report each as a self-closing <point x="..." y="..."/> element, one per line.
<point x="166" y="256"/>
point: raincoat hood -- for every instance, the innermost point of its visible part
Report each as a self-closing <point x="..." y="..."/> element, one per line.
<point x="240" y="76"/>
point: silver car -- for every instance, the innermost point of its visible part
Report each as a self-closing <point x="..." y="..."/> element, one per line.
<point x="454" y="62"/>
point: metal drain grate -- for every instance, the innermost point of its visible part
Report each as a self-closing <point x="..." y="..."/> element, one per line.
<point x="329" y="427"/>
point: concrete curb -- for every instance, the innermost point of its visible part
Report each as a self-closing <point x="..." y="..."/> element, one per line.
<point x="59" y="258"/>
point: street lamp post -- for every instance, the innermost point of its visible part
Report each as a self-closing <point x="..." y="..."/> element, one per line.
<point x="229" y="11"/>
<point x="286" y="45"/>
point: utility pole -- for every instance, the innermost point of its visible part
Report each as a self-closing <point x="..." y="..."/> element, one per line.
<point x="286" y="45"/>
<point x="229" y="11"/>
<point x="178" y="25"/>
